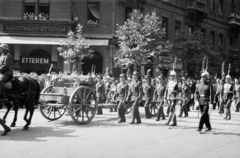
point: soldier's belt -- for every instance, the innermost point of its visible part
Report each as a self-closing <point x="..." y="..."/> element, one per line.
<point x="202" y="95"/>
<point x="227" y="92"/>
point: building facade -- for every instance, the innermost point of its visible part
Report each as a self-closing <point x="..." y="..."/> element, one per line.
<point x="35" y="28"/>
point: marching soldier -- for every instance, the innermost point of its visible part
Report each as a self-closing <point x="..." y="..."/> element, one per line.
<point x="221" y="108"/>
<point x="204" y="95"/>
<point x="135" y="95"/>
<point x="227" y="95"/>
<point x="121" y="92"/>
<point x="237" y="94"/>
<point x="159" y="98"/>
<point x="185" y="97"/>
<point x="148" y="94"/>
<point x="218" y="95"/>
<point x="100" y="91"/>
<point x="171" y="94"/>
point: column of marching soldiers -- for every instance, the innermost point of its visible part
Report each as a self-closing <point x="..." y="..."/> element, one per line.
<point x="205" y="95"/>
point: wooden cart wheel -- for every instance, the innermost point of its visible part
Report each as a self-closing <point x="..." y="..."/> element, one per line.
<point x="128" y="108"/>
<point x="51" y="112"/>
<point x="153" y="109"/>
<point x="82" y="105"/>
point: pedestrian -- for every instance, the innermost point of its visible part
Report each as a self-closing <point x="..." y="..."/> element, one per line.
<point x="171" y="94"/>
<point x="204" y="95"/>
<point x="159" y="97"/>
<point x="148" y="95"/>
<point x="185" y="96"/>
<point x="237" y="95"/>
<point x="227" y="95"/>
<point x="135" y="96"/>
<point x="100" y="91"/>
<point x="122" y="92"/>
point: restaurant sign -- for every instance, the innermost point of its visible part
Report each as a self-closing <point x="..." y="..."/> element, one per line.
<point x="35" y="28"/>
<point x="35" y="60"/>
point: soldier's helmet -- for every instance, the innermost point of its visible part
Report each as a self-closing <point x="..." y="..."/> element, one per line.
<point x="148" y="76"/>
<point x="205" y="68"/>
<point x="173" y="72"/>
<point x="4" y="46"/>
<point x="122" y="75"/>
<point x="135" y="73"/>
<point x="49" y="75"/>
<point x="100" y="77"/>
<point x="228" y="76"/>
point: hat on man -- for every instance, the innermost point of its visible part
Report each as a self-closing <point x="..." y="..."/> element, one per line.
<point x="99" y="76"/>
<point x="205" y="68"/>
<point x="122" y="75"/>
<point x="4" y="46"/>
<point x="135" y="73"/>
<point x="228" y="75"/>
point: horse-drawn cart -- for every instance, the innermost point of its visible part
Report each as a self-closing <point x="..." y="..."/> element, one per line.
<point x="80" y="102"/>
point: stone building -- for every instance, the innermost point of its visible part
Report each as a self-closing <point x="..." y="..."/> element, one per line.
<point x="33" y="38"/>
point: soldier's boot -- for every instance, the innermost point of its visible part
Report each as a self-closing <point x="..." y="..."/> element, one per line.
<point x="162" y="112"/>
<point x="169" y="119"/>
<point x="158" y="114"/>
<point x="174" y="120"/>
<point x="99" y="111"/>
<point x="181" y="112"/>
<point x="138" y="116"/>
<point x="186" y="112"/>
<point x="168" y="111"/>
<point x="123" y="115"/>
<point x="147" y="112"/>
<point x="133" y="116"/>
<point x="6" y="128"/>
<point x="120" y="115"/>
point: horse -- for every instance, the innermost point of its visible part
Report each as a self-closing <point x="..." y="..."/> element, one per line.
<point x="21" y="90"/>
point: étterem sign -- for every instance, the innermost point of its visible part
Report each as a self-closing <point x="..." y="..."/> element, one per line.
<point x="35" y="60"/>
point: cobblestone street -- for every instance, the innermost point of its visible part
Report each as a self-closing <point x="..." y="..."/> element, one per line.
<point x="104" y="137"/>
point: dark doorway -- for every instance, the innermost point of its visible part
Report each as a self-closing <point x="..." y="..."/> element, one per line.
<point x="96" y="60"/>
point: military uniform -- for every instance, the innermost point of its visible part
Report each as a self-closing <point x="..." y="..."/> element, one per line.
<point x="237" y="96"/>
<point x="135" y="95"/>
<point x="172" y="95"/>
<point x="100" y="91"/>
<point x="204" y="94"/>
<point x="121" y="91"/>
<point x="227" y="96"/>
<point x="159" y="98"/>
<point x="185" y="96"/>
<point x="147" y="98"/>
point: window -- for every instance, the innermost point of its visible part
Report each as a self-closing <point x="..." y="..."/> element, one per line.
<point x="203" y="31"/>
<point x="220" y="43"/>
<point x="212" y="39"/>
<point x="36" y="11"/>
<point x="128" y="12"/>
<point x="233" y="6"/>
<point x="93" y="13"/>
<point x="190" y="30"/>
<point x="177" y="27"/>
<point x="220" y="7"/>
<point x="212" y="5"/>
<point x="165" y="26"/>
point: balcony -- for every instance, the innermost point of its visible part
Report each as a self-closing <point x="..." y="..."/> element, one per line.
<point x="234" y="21"/>
<point x="197" y="8"/>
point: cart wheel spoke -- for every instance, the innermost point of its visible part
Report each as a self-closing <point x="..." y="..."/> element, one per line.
<point x="88" y="98"/>
<point x="50" y="111"/>
<point x="46" y="109"/>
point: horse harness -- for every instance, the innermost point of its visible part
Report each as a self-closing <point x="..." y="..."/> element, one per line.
<point x="8" y="85"/>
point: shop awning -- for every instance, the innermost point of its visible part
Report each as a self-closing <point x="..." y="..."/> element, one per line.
<point x="46" y="40"/>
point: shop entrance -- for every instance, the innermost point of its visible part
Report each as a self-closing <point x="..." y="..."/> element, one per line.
<point x="96" y="60"/>
<point x="38" y="61"/>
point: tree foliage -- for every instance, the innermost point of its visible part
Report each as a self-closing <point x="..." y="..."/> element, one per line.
<point x="75" y="47"/>
<point x="141" y="38"/>
<point x="196" y="48"/>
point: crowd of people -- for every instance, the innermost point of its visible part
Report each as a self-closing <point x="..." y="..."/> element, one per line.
<point x="150" y="92"/>
<point x="32" y="16"/>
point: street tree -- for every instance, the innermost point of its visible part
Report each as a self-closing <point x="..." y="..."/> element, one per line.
<point x="195" y="48"/>
<point x="141" y="38"/>
<point x="75" y="47"/>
